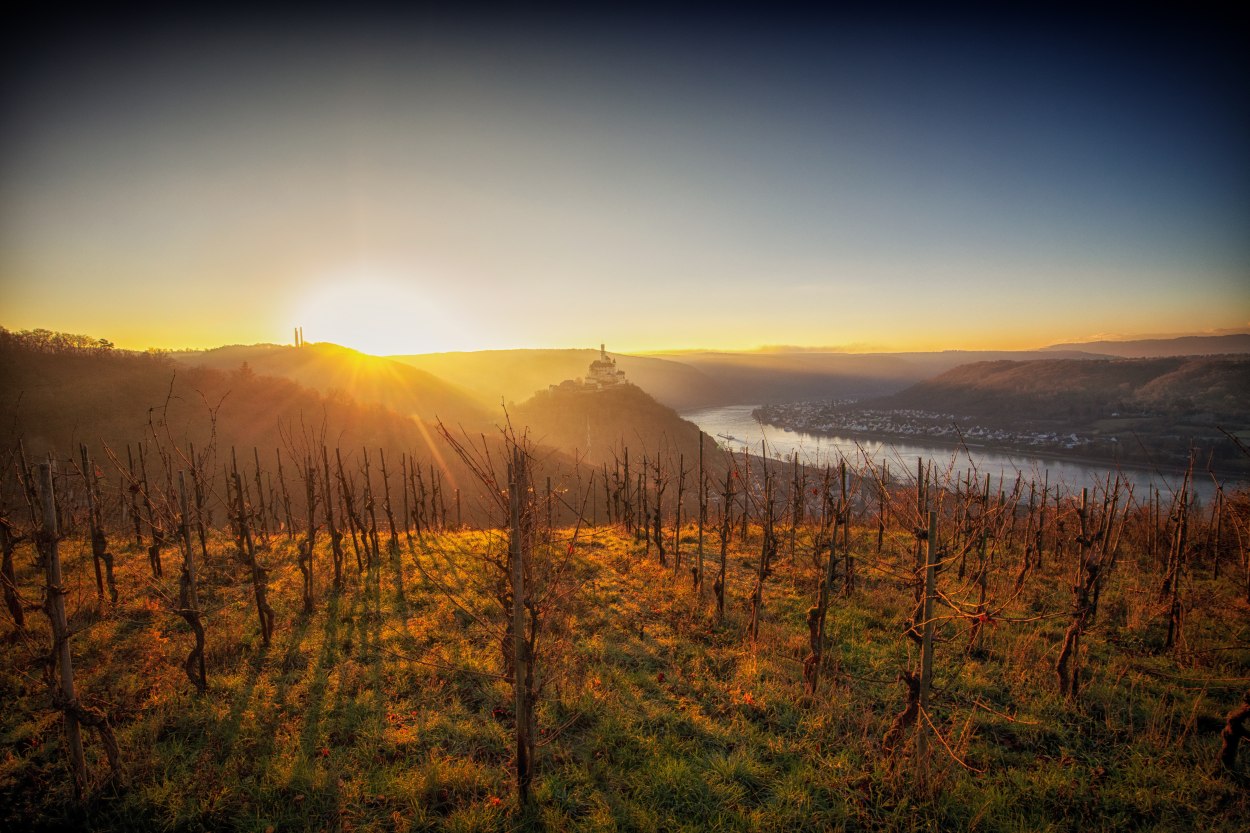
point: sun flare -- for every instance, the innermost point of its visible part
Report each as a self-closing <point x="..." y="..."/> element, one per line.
<point x="376" y="315"/>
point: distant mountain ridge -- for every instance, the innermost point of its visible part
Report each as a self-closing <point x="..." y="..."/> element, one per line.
<point x="691" y="380"/>
<point x="1159" y="347"/>
<point x="792" y="377"/>
<point x="1203" y="387"/>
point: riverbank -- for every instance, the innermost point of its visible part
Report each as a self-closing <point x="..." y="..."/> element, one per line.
<point x="1074" y="470"/>
<point x="1142" y="442"/>
<point x="1028" y="451"/>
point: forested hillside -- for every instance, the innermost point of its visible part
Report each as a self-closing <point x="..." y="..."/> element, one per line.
<point x="331" y="369"/>
<point x="1204" y="390"/>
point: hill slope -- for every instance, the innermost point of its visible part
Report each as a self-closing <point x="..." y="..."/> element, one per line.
<point x="1207" y="390"/>
<point x="54" y="399"/>
<point x="328" y="368"/>
<point x="515" y="375"/>
<point x="597" y="426"/>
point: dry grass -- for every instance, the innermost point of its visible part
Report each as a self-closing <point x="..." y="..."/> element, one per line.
<point x="380" y="711"/>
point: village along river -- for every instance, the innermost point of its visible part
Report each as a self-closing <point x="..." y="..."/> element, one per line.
<point x="735" y="429"/>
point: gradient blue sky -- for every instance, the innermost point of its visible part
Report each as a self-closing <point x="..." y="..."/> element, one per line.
<point x="416" y="183"/>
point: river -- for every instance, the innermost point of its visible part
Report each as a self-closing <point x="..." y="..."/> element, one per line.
<point x="1069" y="475"/>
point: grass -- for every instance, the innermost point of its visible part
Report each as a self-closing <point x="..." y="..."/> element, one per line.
<point x="382" y="712"/>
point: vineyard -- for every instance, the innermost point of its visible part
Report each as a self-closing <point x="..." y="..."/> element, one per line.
<point x="328" y="638"/>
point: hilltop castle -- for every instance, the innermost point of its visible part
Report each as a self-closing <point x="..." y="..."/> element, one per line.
<point x="603" y="375"/>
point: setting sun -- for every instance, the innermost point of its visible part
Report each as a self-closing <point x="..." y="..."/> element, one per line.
<point x="377" y="315"/>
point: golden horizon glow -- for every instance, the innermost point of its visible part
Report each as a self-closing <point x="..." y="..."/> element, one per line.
<point x="348" y="318"/>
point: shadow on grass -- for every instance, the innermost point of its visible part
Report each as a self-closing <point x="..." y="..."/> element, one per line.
<point x="227" y="730"/>
<point x="268" y="725"/>
<point x="327" y="658"/>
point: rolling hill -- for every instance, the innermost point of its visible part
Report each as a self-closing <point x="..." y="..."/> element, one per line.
<point x="515" y="375"/>
<point x="1208" y="390"/>
<point x="329" y="368"/>
<point x="750" y="378"/>
<point x="597" y="426"/>
<point x="1142" y="411"/>
<point x="53" y="400"/>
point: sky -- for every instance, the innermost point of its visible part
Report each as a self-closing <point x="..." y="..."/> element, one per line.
<point x="407" y="183"/>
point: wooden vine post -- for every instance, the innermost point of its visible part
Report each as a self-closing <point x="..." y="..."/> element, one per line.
<point x="844" y="509"/>
<point x="660" y="484"/>
<point x="746" y="481"/>
<point x="766" y="548"/>
<point x="628" y="499"/>
<point x="263" y="526"/>
<point x="817" y="616"/>
<point x="442" y="501"/>
<point x="374" y="548"/>
<point x="1069" y="679"/>
<point x="919" y="685"/>
<point x="644" y="507"/>
<point x="922" y="500"/>
<point x="681" y="488"/>
<point x="403" y="479"/>
<point x="158" y="533"/>
<point x="547" y="503"/>
<point x="522" y="671"/>
<point x="188" y="596"/>
<point x="54" y="606"/>
<point x="1096" y="557"/>
<point x="349" y="510"/>
<point x="99" y="542"/>
<point x="393" y="541"/>
<point x="698" y="568"/>
<point x="95" y="554"/>
<point x="1177" y="565"/>
<point x="258" y="574"/>
<point x="726" y="528"/>
<point x="419" y="519"/>
<point x="198" y="483"/>
<point x="1026" y="561"/>
<point x="336" y="537"/>
<point x="308" y="545"/>
<point x="9" y="540"/>
<point x="132" y="489"/>
<point x="882" y="498"/>
<point x="286" y="498"/>
<point x="926" y="647"/>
